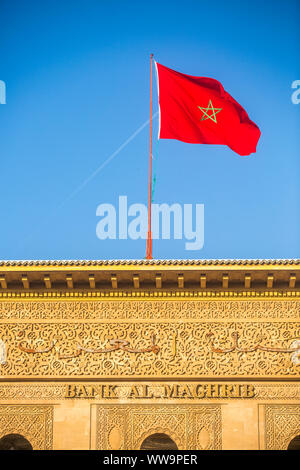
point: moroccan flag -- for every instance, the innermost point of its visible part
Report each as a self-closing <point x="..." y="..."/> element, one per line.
<point x="198" y="110"/>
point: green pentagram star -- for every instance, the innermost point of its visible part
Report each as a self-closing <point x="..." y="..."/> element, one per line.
<point x="212" y="109"/>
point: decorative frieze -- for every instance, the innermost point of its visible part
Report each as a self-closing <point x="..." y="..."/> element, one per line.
<point x="155" y="391"/>
<point x="164" y="309"/>
<point x="146" y="349"/>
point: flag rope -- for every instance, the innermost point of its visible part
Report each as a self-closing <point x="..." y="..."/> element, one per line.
<point x="154" y="158"/>
<point x="149" y="234"/>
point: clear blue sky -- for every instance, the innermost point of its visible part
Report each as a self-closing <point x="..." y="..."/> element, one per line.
<point x="77" y="77"/>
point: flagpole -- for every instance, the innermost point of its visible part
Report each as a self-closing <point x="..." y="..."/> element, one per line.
<point x="149" y="234"/>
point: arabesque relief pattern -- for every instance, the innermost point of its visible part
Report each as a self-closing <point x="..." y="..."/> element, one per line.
<point x="108" y="338"/>
<point x="282" y="424"/>
<point x="127" y="349"/>
<point x="34" y="422"/>
<point x="191" y="427"/>
<point x="149" y="310"/>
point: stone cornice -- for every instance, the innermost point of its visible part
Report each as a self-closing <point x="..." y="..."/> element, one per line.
<point x="149" y="263"/>
<point x="141" y="277"/>
<point x="153" y="295"/>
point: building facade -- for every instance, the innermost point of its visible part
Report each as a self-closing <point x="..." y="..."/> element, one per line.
<point x="150" y="354"/>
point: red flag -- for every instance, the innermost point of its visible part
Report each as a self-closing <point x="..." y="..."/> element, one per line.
<point x="198" y="110"/>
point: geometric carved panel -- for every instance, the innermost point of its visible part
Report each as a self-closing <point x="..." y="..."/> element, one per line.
<point x="33" y="422"/>
<point x="125" y="427"/>
<point x="282" y="425"/>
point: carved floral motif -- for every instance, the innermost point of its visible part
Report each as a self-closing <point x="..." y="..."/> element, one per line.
<point x="150" y="338"/>
<point x="191" y="357"/>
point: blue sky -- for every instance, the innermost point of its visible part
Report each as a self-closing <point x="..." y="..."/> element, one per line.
<point x="77" y="78"/>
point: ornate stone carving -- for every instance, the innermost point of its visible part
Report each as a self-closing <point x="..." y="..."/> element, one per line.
<point x="282" y="424"/>
<point x="149" y="309"/>
<point x="190" y="427"/>
<point x="53" y="331"/>
<point x="191" y="356"/>
<point x="277" y="392"/>
<point x="151" y="294"/>
<point x="28" y="391"/>
<point x="34" y="422"/>
<point x="32" y="392"/>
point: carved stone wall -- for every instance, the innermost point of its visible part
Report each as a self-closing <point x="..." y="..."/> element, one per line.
<point x="166" y="339"/>
<point x="282" y="424"/>
<point x="126" y="426"/>
<point x="184" y="349"/>
<point x="34" y="422"/>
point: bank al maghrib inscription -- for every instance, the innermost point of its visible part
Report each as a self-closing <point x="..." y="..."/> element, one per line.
<point x="168" y="391"/>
